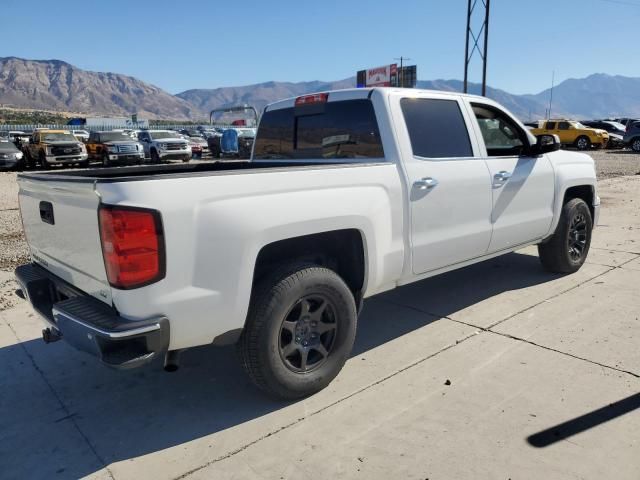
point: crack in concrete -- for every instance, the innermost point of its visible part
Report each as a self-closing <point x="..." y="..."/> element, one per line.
<point x="68" y="414"/>
<point x="593" y="362"/>
<point x="320" y="410"/>
<point x="513" y="337"/>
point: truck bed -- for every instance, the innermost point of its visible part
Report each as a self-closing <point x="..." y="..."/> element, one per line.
<point x="149" y="172"/>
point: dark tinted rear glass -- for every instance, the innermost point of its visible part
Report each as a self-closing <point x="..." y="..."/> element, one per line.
<point x="344" y="130"/>
<point x="436" y="128"/>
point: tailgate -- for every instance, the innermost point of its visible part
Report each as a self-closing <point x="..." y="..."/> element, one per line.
<point x="60" y="221"/>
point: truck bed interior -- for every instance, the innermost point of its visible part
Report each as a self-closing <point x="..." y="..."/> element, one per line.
<point x="136" y="173"/>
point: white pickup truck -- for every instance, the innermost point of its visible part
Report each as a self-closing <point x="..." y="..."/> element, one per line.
<point x="348" y="194"/>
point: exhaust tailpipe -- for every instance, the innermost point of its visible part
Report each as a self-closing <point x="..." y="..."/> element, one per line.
<point x="172" y="360"/>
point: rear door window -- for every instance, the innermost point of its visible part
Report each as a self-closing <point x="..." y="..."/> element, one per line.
<point x="333" y="130"/>
<point x="551" y="126"/>
<point x="436" y="128"/>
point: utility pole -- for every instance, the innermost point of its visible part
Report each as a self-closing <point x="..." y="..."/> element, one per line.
<point x="484" y="29"/>
<point x="402" y="59"/>
<point x="553" y="78"/>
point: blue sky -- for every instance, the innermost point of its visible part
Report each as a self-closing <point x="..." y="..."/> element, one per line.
<point x="178" y="45"/>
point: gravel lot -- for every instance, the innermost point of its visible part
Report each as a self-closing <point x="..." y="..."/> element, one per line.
<point x="13" y="250"/>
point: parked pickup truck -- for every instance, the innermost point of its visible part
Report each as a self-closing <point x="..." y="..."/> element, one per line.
<point x="54" y="147"/>
<point x="348" y="194"/>
<point x="114" y="147"/>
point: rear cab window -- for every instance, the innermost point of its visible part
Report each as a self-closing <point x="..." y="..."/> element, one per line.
<point x="436" y="128"/>
<point x="344" y="130"/>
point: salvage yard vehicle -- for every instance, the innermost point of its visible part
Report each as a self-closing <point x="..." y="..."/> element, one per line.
<point x="615" y="130"/>
<point x="160" y="145"/>
<point x="54" y="147"/>
<point x="237" y="140"/>
<point x="199" y="146"/>
<point x="632" y="136"/>
<point x="349" y="193"/>
<point x="573" y="133"/>
<point x="114" y="147"/>
<point x="10" y="155"/>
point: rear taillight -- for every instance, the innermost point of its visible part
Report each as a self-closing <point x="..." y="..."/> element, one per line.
<point x="132" y="246"/>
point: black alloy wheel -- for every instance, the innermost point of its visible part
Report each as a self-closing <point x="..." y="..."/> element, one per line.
<point x="308" y="333"/>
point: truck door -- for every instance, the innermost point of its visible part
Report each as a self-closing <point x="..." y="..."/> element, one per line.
<point x="523" y="186"/>
<point x="449" y="186"/>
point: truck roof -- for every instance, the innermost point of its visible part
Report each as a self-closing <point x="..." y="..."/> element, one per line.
<point x="356" y="93"/>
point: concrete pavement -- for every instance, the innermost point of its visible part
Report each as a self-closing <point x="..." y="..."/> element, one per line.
<point x="499" y="370"/>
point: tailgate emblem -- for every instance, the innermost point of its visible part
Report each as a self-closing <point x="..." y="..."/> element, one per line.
<point x="46" y="213"/>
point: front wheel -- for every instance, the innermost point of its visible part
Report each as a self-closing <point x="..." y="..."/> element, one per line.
<point x="583" y="143"/>
<point x="299" y="331"/>
<point x="155" y="158"/>
<point x="567" y="249"/>
<point x="635" y="145"/>
<point x="105" y="160"/>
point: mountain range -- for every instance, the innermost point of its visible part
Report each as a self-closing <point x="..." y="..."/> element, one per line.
<point x="57" y="85"/>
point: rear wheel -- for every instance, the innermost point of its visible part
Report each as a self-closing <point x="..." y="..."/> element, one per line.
<point x="299" y="332"/>
<point x="635" y="145"/>
<point x="567" y="249"/>
<point x="583" y="143"/>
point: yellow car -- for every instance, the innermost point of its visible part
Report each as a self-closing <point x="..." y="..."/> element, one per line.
<point x="573" y="133"/>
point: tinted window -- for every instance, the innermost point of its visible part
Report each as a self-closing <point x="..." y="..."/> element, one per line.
<point x="563" y="126"/>
<point x="501" y="135"/>
<point x="346" y="129"/>
<point x="551" y="126"/>
<point x="436" y="128"/>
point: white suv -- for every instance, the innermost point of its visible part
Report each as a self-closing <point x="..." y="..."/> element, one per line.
<point x="162" y="145"/>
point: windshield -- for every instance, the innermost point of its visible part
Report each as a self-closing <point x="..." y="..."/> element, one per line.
<point x="160" y="135"/>
<point x="577" y="125"/>
<point x="114" y="137"/>
<point x="59" y="137"/>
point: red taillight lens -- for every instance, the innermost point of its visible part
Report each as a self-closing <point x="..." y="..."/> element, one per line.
<point x="311" y="99"/>
<point x="132" y="246"/>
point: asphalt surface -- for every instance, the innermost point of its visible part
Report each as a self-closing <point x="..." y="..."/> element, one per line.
<point x="498" y="370"/>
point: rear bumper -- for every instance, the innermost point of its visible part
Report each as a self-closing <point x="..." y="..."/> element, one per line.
<point x="90" y="325"/>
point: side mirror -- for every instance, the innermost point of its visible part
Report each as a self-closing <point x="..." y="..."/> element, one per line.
<point x="546" y="144"/>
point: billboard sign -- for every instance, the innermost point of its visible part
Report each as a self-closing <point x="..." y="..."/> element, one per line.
<point x="385" y="76"/>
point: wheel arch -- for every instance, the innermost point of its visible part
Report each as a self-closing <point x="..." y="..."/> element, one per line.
<point x="343" y="251"/>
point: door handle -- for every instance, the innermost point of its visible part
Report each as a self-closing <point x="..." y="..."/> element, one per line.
<point x="426" y="183"/>
<point x="502" y="176"/>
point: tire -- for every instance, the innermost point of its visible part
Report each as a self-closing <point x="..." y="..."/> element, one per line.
<point x="29" y="163"/>
<point x="105" y="160"/>
<point x="568" y="247"/>
<point x="635" y="144"/>
<point x="43" y="161"/>
<point x="84" y="164"/>
<point x="186" y="159"/>
<point x="583" y="143"/>
<point x="155" y="158"/>
<point x="295" y="314"/>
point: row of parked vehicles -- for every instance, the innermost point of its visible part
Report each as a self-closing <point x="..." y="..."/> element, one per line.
<point x="588" y="134"/>
<point x="46" y="147"/>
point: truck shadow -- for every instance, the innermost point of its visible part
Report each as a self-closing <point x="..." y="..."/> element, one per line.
<point x="128" y="414"/>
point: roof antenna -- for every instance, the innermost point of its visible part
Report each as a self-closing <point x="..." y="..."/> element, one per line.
<point x="553" y="77"/>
